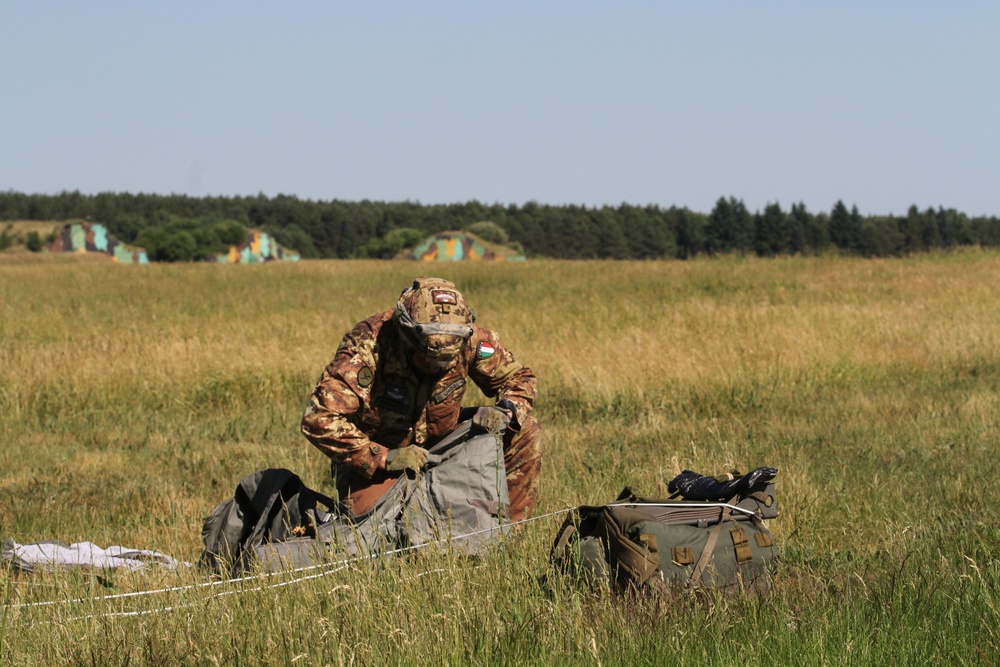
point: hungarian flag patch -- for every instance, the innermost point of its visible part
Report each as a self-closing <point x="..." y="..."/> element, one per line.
<point x="484" y="350"/>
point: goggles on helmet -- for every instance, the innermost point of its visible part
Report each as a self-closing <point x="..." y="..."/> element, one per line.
<point x="417" y="335"/>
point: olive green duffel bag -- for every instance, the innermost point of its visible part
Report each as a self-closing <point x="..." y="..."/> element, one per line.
<point x="676" y="543"/>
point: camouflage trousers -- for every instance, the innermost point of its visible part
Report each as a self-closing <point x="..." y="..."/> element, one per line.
<point x="522" y="457"/>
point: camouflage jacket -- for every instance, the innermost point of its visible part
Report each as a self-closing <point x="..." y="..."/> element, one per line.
<point x="371" y="398"/>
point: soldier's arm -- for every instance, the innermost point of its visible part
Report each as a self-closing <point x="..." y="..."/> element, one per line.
<point x="329" y="423"/>
<point x="499" y="375"/>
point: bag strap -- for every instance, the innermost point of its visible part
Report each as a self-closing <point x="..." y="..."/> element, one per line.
<point x="334" y="506"/>
<point x="569" y="529"/>
<point x="268" y="484"/>
<point x="713" y="537"/>
<point x="281" y="478"/>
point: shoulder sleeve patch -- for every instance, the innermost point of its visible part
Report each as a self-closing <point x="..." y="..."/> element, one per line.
<point x="484" y="350"/>
<point x="365" y="377"/>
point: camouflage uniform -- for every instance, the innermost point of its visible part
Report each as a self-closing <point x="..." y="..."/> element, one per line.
<point x="371" y="398"/>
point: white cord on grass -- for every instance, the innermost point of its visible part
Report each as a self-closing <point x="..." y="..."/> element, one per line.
<point x="329" y="568"/>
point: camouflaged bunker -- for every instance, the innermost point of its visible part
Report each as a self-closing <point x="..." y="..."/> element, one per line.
<point x="94" y="238"/>
<point x="258" y="247"/>
<point x="463" y="246"/>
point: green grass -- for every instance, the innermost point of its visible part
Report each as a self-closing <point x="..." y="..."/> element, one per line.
<point x="133" y="399"/>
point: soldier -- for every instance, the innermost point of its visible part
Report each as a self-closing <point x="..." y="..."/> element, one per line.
<point x="395" y="387"/>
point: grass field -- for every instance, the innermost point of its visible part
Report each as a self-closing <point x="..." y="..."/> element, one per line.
<point x="133" y="399"/>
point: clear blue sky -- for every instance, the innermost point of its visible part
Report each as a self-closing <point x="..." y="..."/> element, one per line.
<point x="880" y="104"/>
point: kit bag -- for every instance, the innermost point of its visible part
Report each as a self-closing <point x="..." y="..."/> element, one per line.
<point x="459" y="502"/>
<point x="671" y="544"/>
<point x="268" y="506"/>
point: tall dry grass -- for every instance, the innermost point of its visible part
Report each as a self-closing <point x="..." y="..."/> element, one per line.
<point x="132" y="399"/>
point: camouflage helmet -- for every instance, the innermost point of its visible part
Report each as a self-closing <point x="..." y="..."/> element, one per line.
<point x="433" y="319"/>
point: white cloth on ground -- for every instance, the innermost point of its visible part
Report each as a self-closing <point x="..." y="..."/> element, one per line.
<point x="59" y="555"/>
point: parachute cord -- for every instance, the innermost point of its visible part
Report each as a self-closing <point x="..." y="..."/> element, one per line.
<point x="325" y="569"/>
<point x="146" y="612"/>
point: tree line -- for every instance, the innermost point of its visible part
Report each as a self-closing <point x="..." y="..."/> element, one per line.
<point x="178" y="227"/>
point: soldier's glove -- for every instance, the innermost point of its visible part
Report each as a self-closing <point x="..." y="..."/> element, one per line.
<point x="491" y="418"/>
<point x="406" y="458"/>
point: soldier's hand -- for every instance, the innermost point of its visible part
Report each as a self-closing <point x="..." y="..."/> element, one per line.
<point x="490" y="418"/>
<point x="406" y="458"/>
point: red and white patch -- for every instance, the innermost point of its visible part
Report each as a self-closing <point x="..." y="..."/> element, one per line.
<point x="440" y="296"/>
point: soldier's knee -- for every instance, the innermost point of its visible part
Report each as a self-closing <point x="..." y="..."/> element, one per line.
<point x="531" y="429"/>
<point x="523" y="449"/>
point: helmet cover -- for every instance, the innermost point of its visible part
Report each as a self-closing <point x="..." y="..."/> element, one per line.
<point x="433" y="318"/>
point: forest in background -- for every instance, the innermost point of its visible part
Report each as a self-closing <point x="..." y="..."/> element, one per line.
<point x="179" y="227"/>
